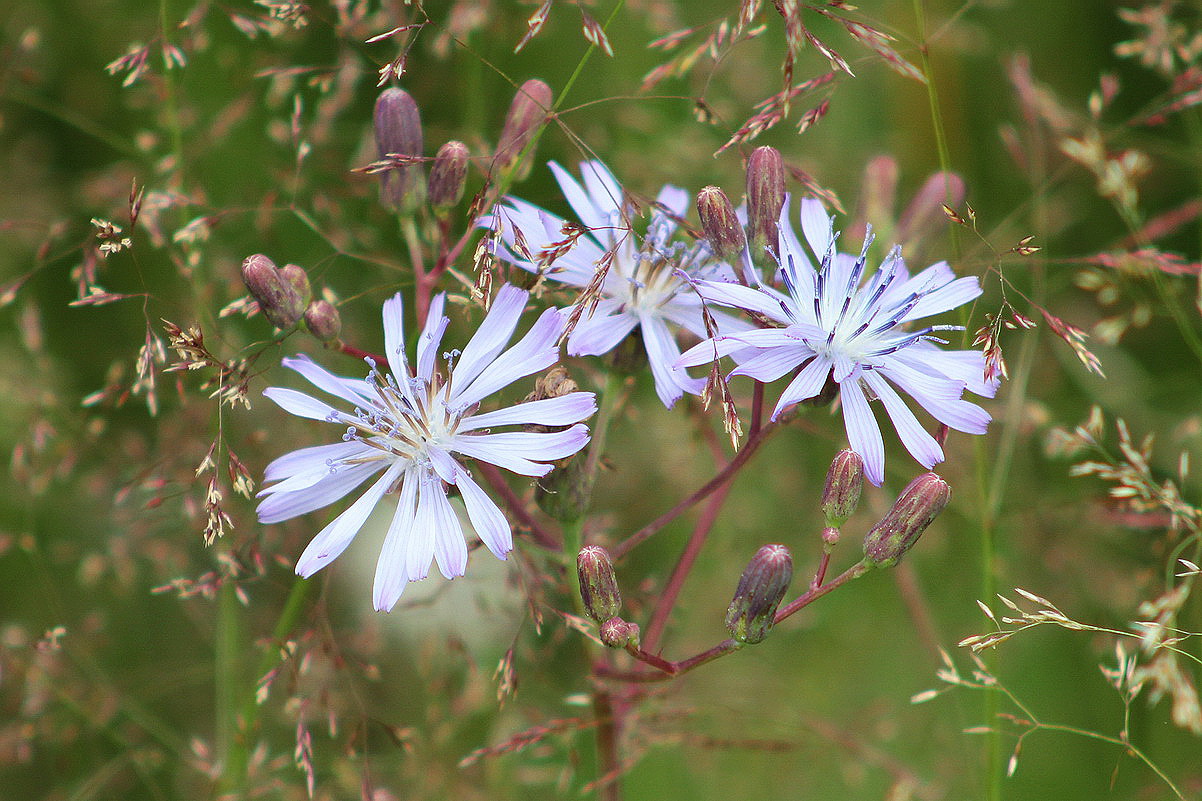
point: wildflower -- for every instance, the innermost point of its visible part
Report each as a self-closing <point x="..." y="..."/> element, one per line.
<point x="642" y="286"/>
<point x="836" y="324"/>
<point x="410" y="423"/>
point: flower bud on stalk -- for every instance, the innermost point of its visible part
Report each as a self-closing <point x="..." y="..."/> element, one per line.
<point x="275" y="290"/>
<point x="526" y="114"/>
<point x="295" y="276"/>
<point x="761" y="588"/>
<point x="765" y="197"/>
<point x="617" y="633"/>
<point x="398" y="129"/>
<point x="720" y="224"/>
<point x="844" y="482"/>
<point x="323" y="321"/>
<point x="598" y="584"/>
<point x="919" y="503"/>
<point x="448" y="175"/>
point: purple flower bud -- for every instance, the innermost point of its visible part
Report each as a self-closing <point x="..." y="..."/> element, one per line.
<point x="617" y="633"/>
<point x="447" y="175"/>
<point x="526" y="115"/>
<point x="295" y="277"/>
<point x="761" y="588"/>
<point x="398" y="129"/>
<point x="844" y="481"/>
<point x="919" y="503"/>
<point x="322" y="320"/>
<point x="765" y="197"/>
<point x="718" y="221"/>
<point x="598" y="584"/>
<point x="272" y="288"/>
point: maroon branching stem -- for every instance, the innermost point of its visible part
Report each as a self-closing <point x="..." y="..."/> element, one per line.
<point x="820" y="573"/>
<point x="667" y="669"/>
<point x="608" y="788"/>
<point x="351" y="350"/>
<point x="814" y="593"/>
<point x="725" y="474"/>
<point x="492" y="474"/>
<point x="757" y="409"/>
<point x="667" y="599"/>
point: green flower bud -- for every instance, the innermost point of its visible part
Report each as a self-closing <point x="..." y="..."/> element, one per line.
<point x="598" y="584"/>
<point x="720" y="224"/>
<point x="765" y="197"/>
<point x="919" y="503"/>
<point x="526" y="114"/>
<point x="322" y="320"/>
<point x="844" y="482"/>
<point x="761" y="588"/>
<point x="617" y="633"/>
<point x="447" y="175"/>
<point x="398" y="129"/>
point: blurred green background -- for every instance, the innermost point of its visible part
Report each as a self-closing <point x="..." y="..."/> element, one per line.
<point x="102" y="505"/>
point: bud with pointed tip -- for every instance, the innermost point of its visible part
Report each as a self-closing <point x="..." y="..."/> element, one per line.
<point x="617" y="633"/>
<point x="278" y="298"/>
<point x="844" y="482"/>
<point x="398" y="129"/>
<point x="919" y="503"/>
<point x="526" y="114"/>
<point x="765" y="197"/>
<point x="448" y="175"/>
<point x="720" y="224"/>
<point x="761" y="587"/>
<point x="598" y="583"/>
<point x="323" y="321"/>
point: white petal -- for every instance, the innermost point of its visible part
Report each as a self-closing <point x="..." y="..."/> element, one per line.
<point x="419" y="549"/>
<point x="333" y="539"/>
<point x="305" y="459"/>
<point x="662" y="353"/>
<point x="561" y="411"/>
<point x="352" y="390"/>
<point x="817" y="227"/>
<point x="602" y="187"/>
<point x="287" y="505"/>
<point x="450" y="548"/>
<point x="863" y="433"/>
<point x="674" y="199"/>
<point x="593" y="218"/>
<point x="431" y="337"/>
<point x="770" y="364"/>
<point x="300" y="404"/>
<point x="488" y="520"/>
<point x="600" y="333"/>
<point x="948" y="296"/>
<point x="394" y="343"/>
<point x="766" y="301"/>
<point x="518" y="450"/>
<point x="921" y="445"/>
<point x="390" y="578"/>
<point x="443" y="463"/>
<point x="534" y="352"/>
<point x="493" y="334"/>
<point x="809" y="382"/>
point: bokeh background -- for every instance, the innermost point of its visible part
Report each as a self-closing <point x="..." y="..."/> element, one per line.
<point x="129" y="648"/>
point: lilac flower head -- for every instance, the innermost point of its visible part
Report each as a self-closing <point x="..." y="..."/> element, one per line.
<point x="410" y="423"/>
<point x="839" y="323"/>
<point x="642" y="287"/>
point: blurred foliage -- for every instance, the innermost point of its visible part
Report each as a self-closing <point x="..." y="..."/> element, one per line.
<point x="123" y="635"/>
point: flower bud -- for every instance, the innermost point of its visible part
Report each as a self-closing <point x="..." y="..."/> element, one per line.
<point x="720" y="224"/>
<point x="617" y="633"/>
<point x="295" y="277"/>
<point x="277" y="296"/>
<point x="598" y="584"/>
<point x="761" y="588"/>
<point x="322" y="320"/>
<point x="919" y="503"/>
<point x="844" y="481"/>
<point x="765" y="197"/>
<point x="448" y="175"/>
<point x="526" y="114"/>
<point x="398" y="129"/>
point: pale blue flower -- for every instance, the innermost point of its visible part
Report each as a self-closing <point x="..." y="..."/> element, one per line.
<point x="643" y="287"/>
<point x="410" y="424"/>
<point x="837" y="323"/>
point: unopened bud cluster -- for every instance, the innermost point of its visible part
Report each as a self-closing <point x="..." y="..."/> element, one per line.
<point x="761" y="587"/>
<point x="283" y="295"/>
<point x="919" y="503"/>
<point x="602" y="599"/>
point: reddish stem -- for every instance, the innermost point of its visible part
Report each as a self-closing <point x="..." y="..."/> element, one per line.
<point x="351" y="350"/>
<point x="814" y="593"/>
<point x="724" y="475"/>
<point x="820" y="573"/>
<point x="492" y="474"/>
